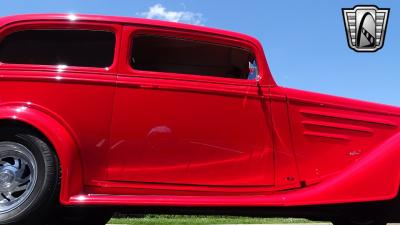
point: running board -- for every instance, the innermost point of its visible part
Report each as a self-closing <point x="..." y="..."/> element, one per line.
<point x="180" y="201"/>
<point x="307" y="196"/>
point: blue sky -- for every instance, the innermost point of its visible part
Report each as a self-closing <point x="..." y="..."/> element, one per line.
<point x="304" y="41"/>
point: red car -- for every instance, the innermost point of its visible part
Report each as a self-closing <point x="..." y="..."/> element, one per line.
<point x="101" y="112"/>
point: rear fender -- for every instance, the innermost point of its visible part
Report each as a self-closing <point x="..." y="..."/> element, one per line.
<point x="376" y="177"/>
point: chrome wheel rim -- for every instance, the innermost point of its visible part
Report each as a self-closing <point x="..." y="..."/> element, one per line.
<point x="18" y="175"/>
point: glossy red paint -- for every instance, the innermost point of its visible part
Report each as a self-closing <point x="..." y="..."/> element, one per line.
<point x="128" y="137"/>
<point x="162" y="149"/>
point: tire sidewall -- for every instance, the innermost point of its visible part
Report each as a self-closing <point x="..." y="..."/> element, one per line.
<point x="32" y="208"/>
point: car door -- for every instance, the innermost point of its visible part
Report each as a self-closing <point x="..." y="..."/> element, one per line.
<point x="184" y="116"/>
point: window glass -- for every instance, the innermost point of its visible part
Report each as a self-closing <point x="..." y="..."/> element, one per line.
<point x="166" y="54"/>
<point x="59" y="47"/>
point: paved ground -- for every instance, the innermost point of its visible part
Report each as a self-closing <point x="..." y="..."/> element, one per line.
<point x="270" y="224"/>
<point x="286" y="224"/>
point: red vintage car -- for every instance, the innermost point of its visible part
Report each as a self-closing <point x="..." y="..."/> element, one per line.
<point x="99" y="112"/>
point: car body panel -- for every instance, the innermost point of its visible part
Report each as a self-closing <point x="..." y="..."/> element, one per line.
<point x="127" y="137"/>
<point x="339" y="128"/>
<point x="149" y="146"/>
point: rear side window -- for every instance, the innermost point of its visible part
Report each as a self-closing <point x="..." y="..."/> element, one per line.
<point x="83" y="48"/>
<point x="166" y="54"/>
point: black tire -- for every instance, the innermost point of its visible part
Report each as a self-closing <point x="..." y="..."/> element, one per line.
<point x="83" y="216"/>
<point x="42" y="195"/>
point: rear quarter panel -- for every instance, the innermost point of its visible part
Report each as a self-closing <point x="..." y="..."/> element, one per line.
<point x="330" y="133"/>
<point x="346" y="150"/>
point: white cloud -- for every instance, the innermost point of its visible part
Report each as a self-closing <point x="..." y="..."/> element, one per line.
<point x="158" y="11"/>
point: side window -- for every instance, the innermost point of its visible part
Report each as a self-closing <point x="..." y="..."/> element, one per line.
<point x="84" y="48"/>
<point x="166" y="54"/>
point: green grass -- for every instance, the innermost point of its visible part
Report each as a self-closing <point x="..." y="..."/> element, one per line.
<point x="199" y="220"/>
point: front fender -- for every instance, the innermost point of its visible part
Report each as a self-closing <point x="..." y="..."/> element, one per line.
<point x="60" y="136"/>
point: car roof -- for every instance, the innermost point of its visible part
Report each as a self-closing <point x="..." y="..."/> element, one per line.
<point x="125" y="20"/>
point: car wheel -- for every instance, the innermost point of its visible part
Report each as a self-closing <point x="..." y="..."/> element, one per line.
<point x="29" y="176"/>
<point x="82" y="216"/>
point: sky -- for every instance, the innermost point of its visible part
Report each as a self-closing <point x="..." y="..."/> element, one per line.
<point x="305" y="41"/>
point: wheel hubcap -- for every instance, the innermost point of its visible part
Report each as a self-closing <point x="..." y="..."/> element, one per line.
<point x="7" y="178"/>
<point x="18" y="175"/>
